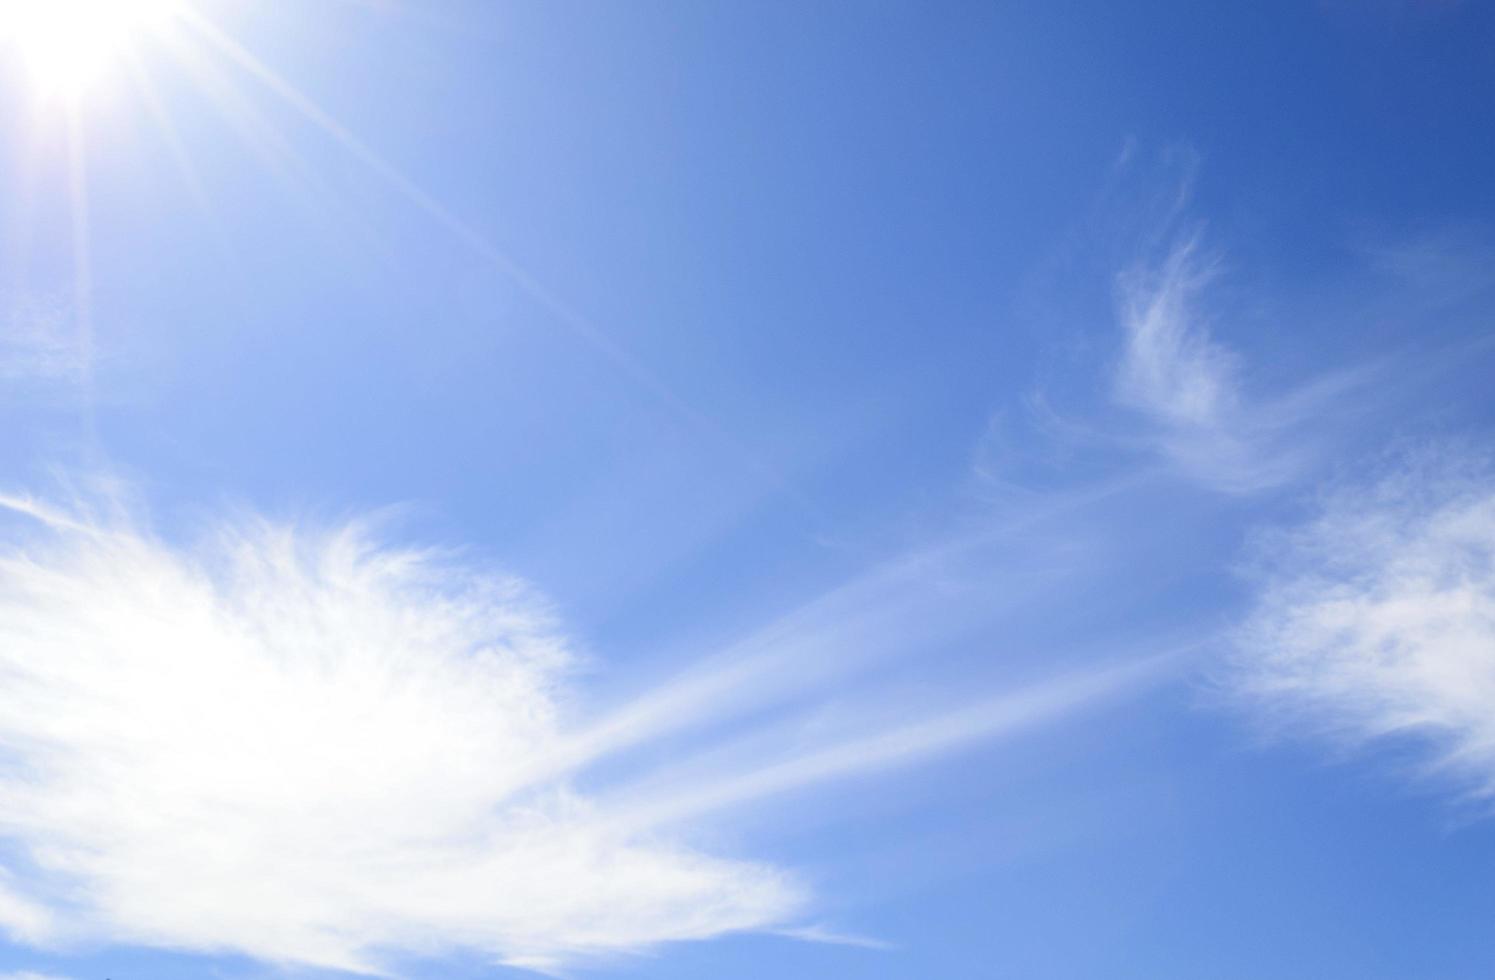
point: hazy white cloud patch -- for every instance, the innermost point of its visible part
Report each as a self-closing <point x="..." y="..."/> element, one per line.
<point x="40" y="343"/>
<point x="1377" y="618"/>
<point x="305" y="746"/>
<point x="22" y="918"/>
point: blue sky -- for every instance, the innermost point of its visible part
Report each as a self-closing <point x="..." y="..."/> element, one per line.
<point x="739" y="490"/>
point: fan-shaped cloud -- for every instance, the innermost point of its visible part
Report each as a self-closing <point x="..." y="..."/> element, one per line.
<point x="305" y="747"/>
<point x="1378" y="617"/>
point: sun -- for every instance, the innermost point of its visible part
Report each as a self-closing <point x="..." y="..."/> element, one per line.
<point x="67" y="46"/>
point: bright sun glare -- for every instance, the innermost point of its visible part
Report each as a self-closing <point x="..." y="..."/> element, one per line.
<point x="66" y="45"/>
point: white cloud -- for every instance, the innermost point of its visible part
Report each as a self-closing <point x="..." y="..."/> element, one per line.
<point x="1378" y="617"/>
<point x="1172" y="368"/>
<point x="305" y="747"/>
<point x="1185" y="383"/>
<point x="29" y="975"/>
<point x="1188" y="386"/>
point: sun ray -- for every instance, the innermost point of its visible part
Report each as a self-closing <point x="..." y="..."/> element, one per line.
<point x="21" y="224"/>
<point x="82" y="275"/>
<point x="272" y="150"/>
<point x="149" y="95"/>
<point x="475" y="241"/>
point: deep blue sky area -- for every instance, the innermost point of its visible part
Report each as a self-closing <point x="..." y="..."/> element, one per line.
<point x="664" y="489"/>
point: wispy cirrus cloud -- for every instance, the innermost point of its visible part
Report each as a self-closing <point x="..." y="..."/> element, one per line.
<point x="1171" y="367"/>
<point x="1177" y="383"/>
<point x="1183" y="381"/>
<point x="1376" y="619"/>
<point x="1188" y="386"/>
<point x="304" y="746"/>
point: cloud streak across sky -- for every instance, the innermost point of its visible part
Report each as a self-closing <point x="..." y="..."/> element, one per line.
<point x="310" y="748"/>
